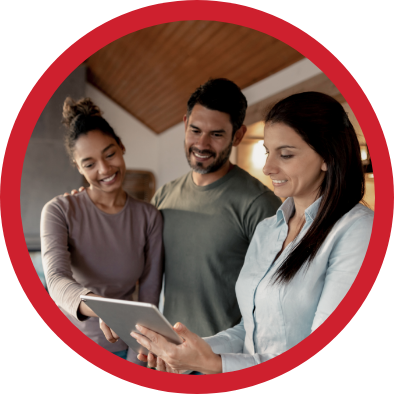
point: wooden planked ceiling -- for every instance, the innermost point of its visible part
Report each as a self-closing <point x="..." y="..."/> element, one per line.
<point x="151" y="73"/>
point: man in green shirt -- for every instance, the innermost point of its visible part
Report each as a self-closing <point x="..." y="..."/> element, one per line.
<point x="210" y="214"/>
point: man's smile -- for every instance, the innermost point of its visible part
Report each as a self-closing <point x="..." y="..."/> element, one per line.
<point x="202" y="155"/>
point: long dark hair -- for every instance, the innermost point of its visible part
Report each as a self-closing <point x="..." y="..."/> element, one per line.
<point x="324" y="125"/>
<point x="80" y="117"/>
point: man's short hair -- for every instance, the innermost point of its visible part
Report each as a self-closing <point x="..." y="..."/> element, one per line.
<point x="221" y="95"/>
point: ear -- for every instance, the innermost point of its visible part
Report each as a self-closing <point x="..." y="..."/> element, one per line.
<point x="324" y="166"/>
<point x="122" y="147"/>
<point x="239" y="135"/>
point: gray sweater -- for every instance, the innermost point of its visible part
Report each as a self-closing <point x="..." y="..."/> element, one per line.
<point x="87" y="250"/>
<point x="207" y="231"/>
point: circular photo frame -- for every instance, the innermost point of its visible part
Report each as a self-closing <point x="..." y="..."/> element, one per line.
<point x="129" y="23"/>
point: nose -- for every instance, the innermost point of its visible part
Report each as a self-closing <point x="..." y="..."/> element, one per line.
<point x="203" y="141"/>
<point x="270" y="167"/>
<point x="103" y="167"/>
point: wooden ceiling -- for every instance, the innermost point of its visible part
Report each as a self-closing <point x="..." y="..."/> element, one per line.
<point x="151" y="73"/>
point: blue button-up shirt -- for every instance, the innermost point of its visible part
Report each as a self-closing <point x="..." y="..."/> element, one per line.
<point x="275" y="317"/>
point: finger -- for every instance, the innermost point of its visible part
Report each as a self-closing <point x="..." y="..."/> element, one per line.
<point x="152" y="363"/>
<point x="151" y="335"/>
<point x="171" y="370"/>
<point x="183" y="331"/>
<point x="179" y="327"/>
<point x="81" y="189"/>
<point x="107" y="332"/>
<point x="161" y="365"/>
<point x="74" y="191"/>
<point x="143" y="341"/>
<point x="66" y="194"/>
<point x="152" y="341"/>
<point x="114" y="334"/>
<point x="142" y="357"/>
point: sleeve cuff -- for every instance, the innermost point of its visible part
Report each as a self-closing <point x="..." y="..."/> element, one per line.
<point x="75" y="306"/>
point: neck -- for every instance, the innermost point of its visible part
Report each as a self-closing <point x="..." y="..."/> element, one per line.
<point x="108" y="201"/>
<point x="207" y="179"/>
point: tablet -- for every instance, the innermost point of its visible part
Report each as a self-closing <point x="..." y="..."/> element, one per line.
<point x="122" y="316"/>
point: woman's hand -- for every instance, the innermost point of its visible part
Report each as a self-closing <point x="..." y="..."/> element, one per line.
<point x="110" y="335"/>
<point x="193" y="354"/>
<point x="86" y="311"/>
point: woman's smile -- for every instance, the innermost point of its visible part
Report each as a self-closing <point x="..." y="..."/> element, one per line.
<point x="109" y="180"/>
<point x="296" y="170"/>
<point x="278" y="183"/>
<point x="100" y="159"/>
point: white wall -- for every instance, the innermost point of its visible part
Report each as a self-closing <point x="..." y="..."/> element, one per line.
<point x="163" y="154"/>
<point x="171" y="154"/>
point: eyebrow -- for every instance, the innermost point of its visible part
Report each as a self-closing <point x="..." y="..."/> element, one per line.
<point x="283" y="147"/>
<point x="103" y="151"/>
<point x="212" y="131"/>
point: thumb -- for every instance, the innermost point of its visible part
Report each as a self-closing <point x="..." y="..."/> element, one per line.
<point x="182" y="330"/>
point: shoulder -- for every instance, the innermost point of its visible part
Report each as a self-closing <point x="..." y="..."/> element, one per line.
<point x="249" y="185"/>
<point x="353" y="228"/>
<point x="169" y="188"/>
<point x="59" y="203"/>
<point x="143" y="206"/>
<point x="267" y="224"/>
<point x="63" y="205"/>
<point x="145" y="211"/>
<point x="257" y="196"/>
<point x="358" y="215"/>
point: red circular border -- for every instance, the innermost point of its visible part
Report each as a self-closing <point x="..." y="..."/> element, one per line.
<point x="126" y="24"/>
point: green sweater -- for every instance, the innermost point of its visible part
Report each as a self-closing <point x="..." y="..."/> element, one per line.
<point x="207" y="231"/>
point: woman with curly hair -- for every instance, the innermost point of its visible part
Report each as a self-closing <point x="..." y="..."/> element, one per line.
<point x="101" y="241"/>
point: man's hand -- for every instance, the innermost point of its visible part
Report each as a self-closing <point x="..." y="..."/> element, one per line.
<point x="193" y="354"/>
<point x="110" y="335"/>
<point x="74" y="191"/>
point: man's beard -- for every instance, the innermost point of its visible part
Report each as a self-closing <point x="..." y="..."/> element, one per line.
<point x="215" y="165"/>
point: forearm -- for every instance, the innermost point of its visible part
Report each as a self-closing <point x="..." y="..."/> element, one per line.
<point x="64" y="290"/>
<point x="56" y="260"/>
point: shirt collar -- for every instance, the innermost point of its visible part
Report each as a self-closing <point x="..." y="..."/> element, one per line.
<point x="286" y="210"/>
<point x="311" y="211"/>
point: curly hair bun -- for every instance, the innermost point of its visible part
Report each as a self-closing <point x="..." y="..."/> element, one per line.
<point x="73" y="109"/>
<point x="80" y="117"/>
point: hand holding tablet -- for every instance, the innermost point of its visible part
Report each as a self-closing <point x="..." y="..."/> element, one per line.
<point x="122" y="316"/>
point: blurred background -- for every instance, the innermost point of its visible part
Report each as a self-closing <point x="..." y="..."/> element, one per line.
<point x="142" y="83"/>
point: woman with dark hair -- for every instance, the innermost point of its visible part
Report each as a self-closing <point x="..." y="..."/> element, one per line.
<point x="301" y="262"/>
<point x="101" y="241"/>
